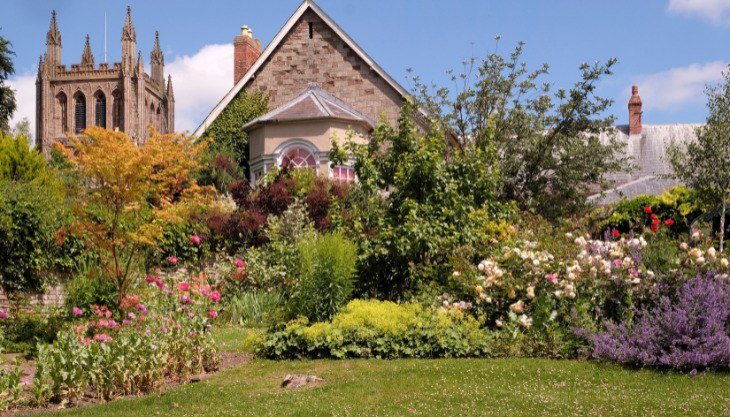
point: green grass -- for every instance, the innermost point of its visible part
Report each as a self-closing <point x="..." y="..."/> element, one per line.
<point x="234" y="336"/>
<point x="452" y="387"/>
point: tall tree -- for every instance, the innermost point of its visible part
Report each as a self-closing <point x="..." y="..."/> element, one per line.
<point x="7" y="95"/>
<point x="704" y="164"/>
<point x="547" y="143"/>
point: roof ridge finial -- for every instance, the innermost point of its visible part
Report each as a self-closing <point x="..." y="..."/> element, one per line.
<point x="128" y="31"/>
<point x="87" y="58"/>
<point x="54" y="36"/>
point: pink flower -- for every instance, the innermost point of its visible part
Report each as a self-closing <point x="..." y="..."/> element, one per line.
<point x="551" y="278"/>
<point x="150" y="279"/>
<point x="223" y="343"/>
<point x="195" y="239"/>
<point x="197" y="347"/>
<point x="191" y="315"/>
<point x="160" y="284"/>
<point x="77" y="311"/>
<point x="125" y="322"/>
<point x="163" y="329"/>
<point x="153" y="347"/>
<point x="212" y="314"/>
<point x="177" y="326"/>
<point x="172" y="259"/>
<point x="3" y="315"/>
<point x="633" y="272"/>
<point x="147" y="331"/>
<point x="192" y="334"/>
<point x="131" y="316"/>
<point x="617" y="262"/>
<point x="215" y="296"/>
<point x="239" y="263"/>
<point x="184" y="286"/>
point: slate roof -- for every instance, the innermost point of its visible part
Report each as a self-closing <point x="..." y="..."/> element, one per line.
<point x="648" y="151"/>
<point x="312" y="104"/>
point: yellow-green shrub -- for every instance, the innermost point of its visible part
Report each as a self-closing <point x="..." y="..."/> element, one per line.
<point x="379" y="329"/>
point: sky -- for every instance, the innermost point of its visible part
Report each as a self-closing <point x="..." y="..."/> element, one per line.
<point x="671" y="49"/>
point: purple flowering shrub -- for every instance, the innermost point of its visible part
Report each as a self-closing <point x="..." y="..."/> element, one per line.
<point x="687" y="331"/>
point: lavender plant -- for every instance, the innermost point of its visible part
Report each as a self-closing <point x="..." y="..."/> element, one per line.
<point x="687" y="331"/>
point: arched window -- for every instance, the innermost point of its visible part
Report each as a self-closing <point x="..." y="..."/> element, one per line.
<point x="117" y="110"/>
<point x="61" y="114"/>
<point x="298" y="158"/>
<point x="100" y="110"/>
<point x="80" y="115"/>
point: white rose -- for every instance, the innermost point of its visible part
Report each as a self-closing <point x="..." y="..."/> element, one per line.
<point x="724" y="262"/>
<point x="700" y="260"/>
<point x="683" y="246"/>
<point x="498" y="323"/>
<point x="711" y="253"/>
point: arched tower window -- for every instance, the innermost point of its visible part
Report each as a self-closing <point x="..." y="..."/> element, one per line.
<point x="298" y="158"/>
<point x="117" y="110"/>
<point x="61" y="115"/>
<point x="80" y="113"/>
<point x="100" y="110"/>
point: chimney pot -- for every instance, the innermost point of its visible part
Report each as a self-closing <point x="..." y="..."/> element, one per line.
<point x="246" y="51"/>
<point x="635" y="111"/>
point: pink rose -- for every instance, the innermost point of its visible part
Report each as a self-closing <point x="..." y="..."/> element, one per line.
<point x="215" y="296"/>
<point x="195" y="239"/>
<point x="212" y="314"/>
<point x="77" y="311"/>
<point x="172" y="259"/>
<point x="3" y="315"/>
<point x="184" y="286"/>
<point x="239" y="263"/>
<point x="150" y="279"/>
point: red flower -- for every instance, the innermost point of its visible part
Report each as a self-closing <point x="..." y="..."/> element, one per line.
<point x="653" y="228"/>
<point x="655" y="222"/>
<point x="669" y="222"/>
<point x="653" y="216"/>
<point x="647" y="209"/>
<point x="615" y="232"/>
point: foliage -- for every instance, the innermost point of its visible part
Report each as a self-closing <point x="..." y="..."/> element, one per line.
<point x="547" y="144"/>
<point x="431" y="210"/>
<point x="135" y="192"/>
<point x="226" y="131"/>
<point x="7" y="95"/>
<point x="366" y="329"/>
<point x="326" y="271"/>
<point x="18" y="162"/>
<point x="685" y="332"/>
<point x="29" y="216"/>
<point x="24" y="331"/>
<point x="679" y="204"/>
<point x="704" y="164"/>
<point x="251" y="309"/>
<point x="168" y="337"/>
<point x="87" y="287"/>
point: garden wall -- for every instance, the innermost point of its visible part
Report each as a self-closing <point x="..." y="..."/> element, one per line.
<point x="52" y="297"/>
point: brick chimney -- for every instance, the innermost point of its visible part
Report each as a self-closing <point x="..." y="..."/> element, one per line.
<point x="635" y="111"/>
<point x="246" y="51"/>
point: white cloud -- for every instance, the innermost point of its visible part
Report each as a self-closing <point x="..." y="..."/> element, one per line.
<point x="712" y="10"/>
<point x="199" y="83"/>
<point x="678" y="87"/>
<point x="24" y="86"/>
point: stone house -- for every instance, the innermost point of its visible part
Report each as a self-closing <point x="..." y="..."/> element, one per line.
<point x="122" y="98"/>
<point x="320" y="83"/>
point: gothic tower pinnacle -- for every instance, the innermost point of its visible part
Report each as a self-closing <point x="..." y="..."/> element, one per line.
<point x="157" y="63"/>
<point x="87" y="59"/>
<point x="53" y="44"/>
<point x="129" y="41"/>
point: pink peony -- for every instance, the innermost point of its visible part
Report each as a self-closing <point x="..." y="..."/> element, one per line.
<point x="160" y="284"/>
<point x="215" y="296"/>
<point x="195" y="239"/>
<point x="184" y="286"/>
<point x="212" y="314"/>
<point x="172" y="259"/>
<point x="150" y="279"/>
<point x="77" y="311"/>
<point x="239" y="263"/>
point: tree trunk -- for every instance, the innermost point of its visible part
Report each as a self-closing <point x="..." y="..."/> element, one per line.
<point x="722" y="219"/>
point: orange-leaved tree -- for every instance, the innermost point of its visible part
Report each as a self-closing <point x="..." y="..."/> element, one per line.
<point x="132" y="193"/>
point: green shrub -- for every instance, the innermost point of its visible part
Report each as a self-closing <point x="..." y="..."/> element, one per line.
<point x="379" y="329"/>
<point x="327" y="268"/>
<point x="25" y="331"/>
<point x="88" y="287"/>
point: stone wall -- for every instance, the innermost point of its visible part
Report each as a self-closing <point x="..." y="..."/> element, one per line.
<point x="52" y="297"/>
<point x="324" y="59"/>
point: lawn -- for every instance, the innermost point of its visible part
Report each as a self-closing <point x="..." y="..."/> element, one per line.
<point x="453" y="387"/>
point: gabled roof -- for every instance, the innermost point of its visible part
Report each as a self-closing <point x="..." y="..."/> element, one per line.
<point x="306" y="5"/>
<point x="312" y="104"/>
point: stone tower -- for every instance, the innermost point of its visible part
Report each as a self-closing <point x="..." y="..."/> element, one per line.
<point x="122" y="98"/>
